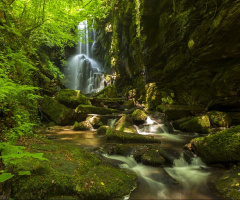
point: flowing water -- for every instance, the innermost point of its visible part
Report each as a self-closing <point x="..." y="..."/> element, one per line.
<point x="180" y="181"/>
<point x="83" y="71"/>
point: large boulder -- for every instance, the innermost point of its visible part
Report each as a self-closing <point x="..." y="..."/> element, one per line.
<point x="56" y="112"/>
<point x="222" y="147"/>
<point x="125" y="124"/>
<point x="174" y="112"/>
<point x="82" y="111"/>
<point x="139" y="116"/>
<point x="129" y="104"/>
<point x="199" y="124"/>
<point x="72" y="98"/>
<point x="108" y="92"/>
<point x="115" y="103"/>
<point x="219" y="119"/>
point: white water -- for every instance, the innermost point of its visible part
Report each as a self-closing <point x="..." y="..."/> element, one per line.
<point x="84" y="72"/>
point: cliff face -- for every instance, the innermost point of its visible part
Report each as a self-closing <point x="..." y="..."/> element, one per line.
<point x="189" y="49"/>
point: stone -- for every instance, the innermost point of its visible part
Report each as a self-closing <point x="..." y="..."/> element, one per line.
<point x="125" y="124"/>
<point x="95" y="121"/>
<point x="72" y="98"/>
<point x="128" y="104"/>
<point x="83" y="126"/>
<point x="222" y="147"/>
<point x="108" y="92"/>
<point x="219" y="119"/>
<point x="102" y="130"/>
<point x="139" y="116"/>
<point x="56" y="112"/>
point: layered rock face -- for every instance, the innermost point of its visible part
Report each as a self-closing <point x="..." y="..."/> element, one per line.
<point x="188" y="49"/>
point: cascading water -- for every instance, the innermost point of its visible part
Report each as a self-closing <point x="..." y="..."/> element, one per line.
<point x="83" y="71"/>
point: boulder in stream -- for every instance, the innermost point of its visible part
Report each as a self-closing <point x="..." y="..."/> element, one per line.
<point x="139" y="116"/>
<point x="125" y="124"/>
<point x="83" y="126"/>
<point x="219" y="119"/>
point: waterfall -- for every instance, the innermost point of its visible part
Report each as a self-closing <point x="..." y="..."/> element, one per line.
<point x="83" y="71"/>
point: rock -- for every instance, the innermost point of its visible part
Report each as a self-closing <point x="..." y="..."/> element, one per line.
<point x="83" y="126"/>
<point x="228" y="184"/>
<point x="95" y="121"/>
<point x="118" y="136"/>
<point x="72" y="98"/>
<point x="199" y="124"/>
<point x="82" y="111"/>
<point x="102" y="130"/>
<point x="174" y="112"/>
<point x="56" y="112"/>
<point x="152" y="157"/>
<point x="125" y="124"/>
<point x="108" y="92"/>
<point x="222" y="147"/>
<point x="139" y="116"/>
<point x="129" y="104"/>
<point x="115" y="103"/>
<point x="219" y="119"/>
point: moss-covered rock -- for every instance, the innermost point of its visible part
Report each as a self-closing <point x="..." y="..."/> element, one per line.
<point x="56" y="112"/>
<point x="199" y="124"/>
<point x="219" y="119"/>
<point x="71" y="171"/>
<point x="72" y="98"/>
<point x="83" y="126"/>
<point x="95" y="121"/>
<point x="152" y="157"/>
<point x="102" y="130"/>
<point x="82" y="111"/>
<point x="174" y="112"/>
<point x="108" y="92"/>
<point x="129" y="104"/>
<point x="222" y="147"/>
<point x="228" y="184"/>
<point x="139" y="116"/>
<point x="125" y="124"/>
<point x="115" y="103"/>
<point x="118" y="136"/>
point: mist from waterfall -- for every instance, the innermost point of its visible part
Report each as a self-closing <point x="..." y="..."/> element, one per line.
<point x="83" y="71"/>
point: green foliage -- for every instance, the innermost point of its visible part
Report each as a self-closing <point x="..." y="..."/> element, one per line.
<point x="17" y="160"/>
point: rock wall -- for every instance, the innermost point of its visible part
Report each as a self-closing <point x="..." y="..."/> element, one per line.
<point x="189" y="49"/>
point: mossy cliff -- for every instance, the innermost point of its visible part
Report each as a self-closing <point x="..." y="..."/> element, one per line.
<point x="188" y="49"/>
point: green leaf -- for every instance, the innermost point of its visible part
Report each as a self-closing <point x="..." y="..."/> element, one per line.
<point x="5" y="176"/>
<point x="21" y="173"/>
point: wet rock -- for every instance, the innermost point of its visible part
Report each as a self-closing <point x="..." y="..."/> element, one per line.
<point x="219" y="119"/>
<point x="153" y="158"/>
<point x="58" y="113"/>
<point x="125" y="124"/>
<point x="118" y="136"/>
<point x="199" y="124"/>
<point x="82" y="111"/>
<point x="72" y="98"/>
<point x="83" y="126"/>
<point x="95" y="121"/>
<point x="129" y="104"/>
<point x="222" y="147"/>
<point x="139" y="116"/>
<point x="102" y="130"/>
<point x="115" y="103"/>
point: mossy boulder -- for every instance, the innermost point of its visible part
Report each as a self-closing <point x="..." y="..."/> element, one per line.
<point x="174" y="112"/>
<point x="199" y="124"/>
<point x="55" y="111"/>
<point x="119" y="136"/>
<point x="221" y="147"/>
<point x="139" y="116"/>
<point x="152" y="157"/>
<point x="82" y="111"/>
<point x="72" y="98"/>
<point x="102" y="130"/>
<point x="83" y="126"/>
<point x="129" y="104"/>
<point x="108" y="92"/>
<point x="125" y="124"/>
<point x="115" y="103"/>
<point x="228" y="184"/>
<point x="70" y="171"/>
<point x="219" y="119"/>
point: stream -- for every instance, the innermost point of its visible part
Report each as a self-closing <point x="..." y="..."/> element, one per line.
<point x="179" y="181"/>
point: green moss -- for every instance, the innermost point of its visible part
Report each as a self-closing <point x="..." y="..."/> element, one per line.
<point x="139" y="115"/>
<point x="220" y="119"/>
<point x="129" y="104"/>
<point x="125" y="124"/>
<point x="83" y="126"/>
<point x="95" y="121"/>
<point x="102" y="130"/>
<point x="221" y="147"/>
<point x="57" y="112"/>
<point x="118" y="136"/>
<point x="108" y="92"/>
<point x="153" y="157"/>
<point x="72" y="98"/>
